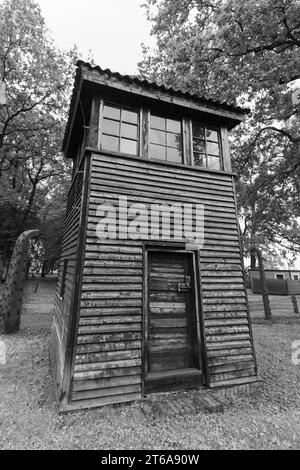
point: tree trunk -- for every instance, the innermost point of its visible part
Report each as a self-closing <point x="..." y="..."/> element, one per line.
<point x="44" y="268"/>
<point x="252" y="258"/>
<point x="264" y="289"/>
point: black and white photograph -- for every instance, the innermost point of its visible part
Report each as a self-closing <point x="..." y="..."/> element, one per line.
<point x="149" y="227"/>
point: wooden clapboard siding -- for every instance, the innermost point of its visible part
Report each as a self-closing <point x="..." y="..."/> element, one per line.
<point x="108" y="352"/>
<point x="58" y="343"/>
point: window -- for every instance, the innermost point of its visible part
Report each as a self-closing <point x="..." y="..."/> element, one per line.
<point x="279" y="276"/>
<point x="165" y="139"/>
<point x="120" y="129"/>
<point x="63" y="279"/>
<point x="296" y="277"/>
<point x="206" y="146"/>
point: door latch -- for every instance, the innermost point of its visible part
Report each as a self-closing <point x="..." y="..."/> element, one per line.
<point x="183" y="287"/>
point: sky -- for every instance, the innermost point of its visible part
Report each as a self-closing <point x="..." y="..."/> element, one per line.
<point x="112" y="29"/>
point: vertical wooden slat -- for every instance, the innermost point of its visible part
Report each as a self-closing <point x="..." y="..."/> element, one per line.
<point x="94" y="122"/>
<point x="225" y="149"/>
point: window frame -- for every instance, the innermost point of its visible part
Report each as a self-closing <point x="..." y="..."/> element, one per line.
<point x="159" y="113"/>
<point x="215" y="128"/>
<point x="122" y="107"/>
<point x="144" y="113"/>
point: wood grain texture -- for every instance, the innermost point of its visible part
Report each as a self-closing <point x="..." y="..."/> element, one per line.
<point x="108" y="355"/>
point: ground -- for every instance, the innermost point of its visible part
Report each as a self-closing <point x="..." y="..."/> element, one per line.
<point x="29" y="417"/>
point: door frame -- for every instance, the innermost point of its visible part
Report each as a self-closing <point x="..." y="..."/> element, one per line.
<point x="196" y="288"/>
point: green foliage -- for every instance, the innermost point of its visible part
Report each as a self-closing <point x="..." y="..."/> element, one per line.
<point x="37" y="80"/>
<point x="246" y="53"/>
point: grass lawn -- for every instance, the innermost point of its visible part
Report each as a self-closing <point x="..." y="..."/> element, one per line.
<point x="29" y="418"/>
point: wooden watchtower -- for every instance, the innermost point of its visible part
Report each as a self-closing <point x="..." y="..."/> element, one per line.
<point x="148" y="308"/>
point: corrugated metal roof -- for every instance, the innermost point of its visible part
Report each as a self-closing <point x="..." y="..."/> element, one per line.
<point x="172" y="91"/>
<point x="132" y="79"/>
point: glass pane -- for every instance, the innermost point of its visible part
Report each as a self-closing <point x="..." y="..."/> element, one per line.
<point x="111" y="127"/>
<point x="214" y="162"/>
<point x="212" y="134"/>
<point x="111" y="112"/>
<point x="199" y="159"/>
<point x="158" y="122"/>
<point x="199" y="131"/>
<point x="173" y="126"/>
<point x="157" y="137"/>
<point x="174" y="155"/>
<point x="174" y="140"/>
<point x="199" y="145"/>
<point x="110" y="143"/>
<point x="157" y="151"/>
<point x="130" y="116"/>
<point x="213" y="148"/>
<point x="129" y="130"/>
<point x="128" y="146"/>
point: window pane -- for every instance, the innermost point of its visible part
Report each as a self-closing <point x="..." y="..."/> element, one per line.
<point x="157" y="137"/>
<point x="158" y="123"/>
<point x="199" y="146"/>
<point x="111" y="127"/>
<point x="128" y="146"/>
<point x="173" y="126"/>
<point x="214" y="162"/>
<point x="199" y="131"/>
<point x="199" y="159"/>
<point x="213" y="148"/>
<point x="174" y="155"/>
<point x="157" y="151"/>
<point x="111" y="112"/>
<point x="130" y="116"/>
<point x="174" y="140"/>
<point x="110" y="143"/>
<point x="129" y="130"/>
<point x="212" y="134"/>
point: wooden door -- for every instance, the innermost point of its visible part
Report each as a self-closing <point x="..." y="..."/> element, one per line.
<point x="172" y="349"/>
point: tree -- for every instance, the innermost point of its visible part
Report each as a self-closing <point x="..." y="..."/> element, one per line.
<point x="246" y="53"/>
<point x="36" y="80"/>
<point x="52" y="222"/>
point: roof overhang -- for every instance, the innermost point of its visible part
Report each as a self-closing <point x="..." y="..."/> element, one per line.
<point x="93" y="79"/>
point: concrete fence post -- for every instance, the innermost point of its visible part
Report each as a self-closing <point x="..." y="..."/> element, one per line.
<point x="12" y="296"/>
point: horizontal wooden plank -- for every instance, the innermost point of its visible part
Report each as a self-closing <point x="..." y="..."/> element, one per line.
<point x="225" y="322"/>
<point x="236" y="343"/>
<point x="214" y="378"/>
<point x="106" y="383"/>
<point x="225" y="330"/>
<point x="231" y="359"/>
<point x="227" y="353"/>
<point x="93" y="329"/>
<point x="109" y="338"/>
<point x="100" y="401"/>
<point x="106" y="392"/>
<point x="100" y="374"/>
<point x="109" y="311"/>
<point x="109" y="320"/>
<point x="111" y="303"/>
<point x="107" y="356"/>
<point x="98" y="366"/>
<point x="109" y="346"/>
<point x="108" y="294"/>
